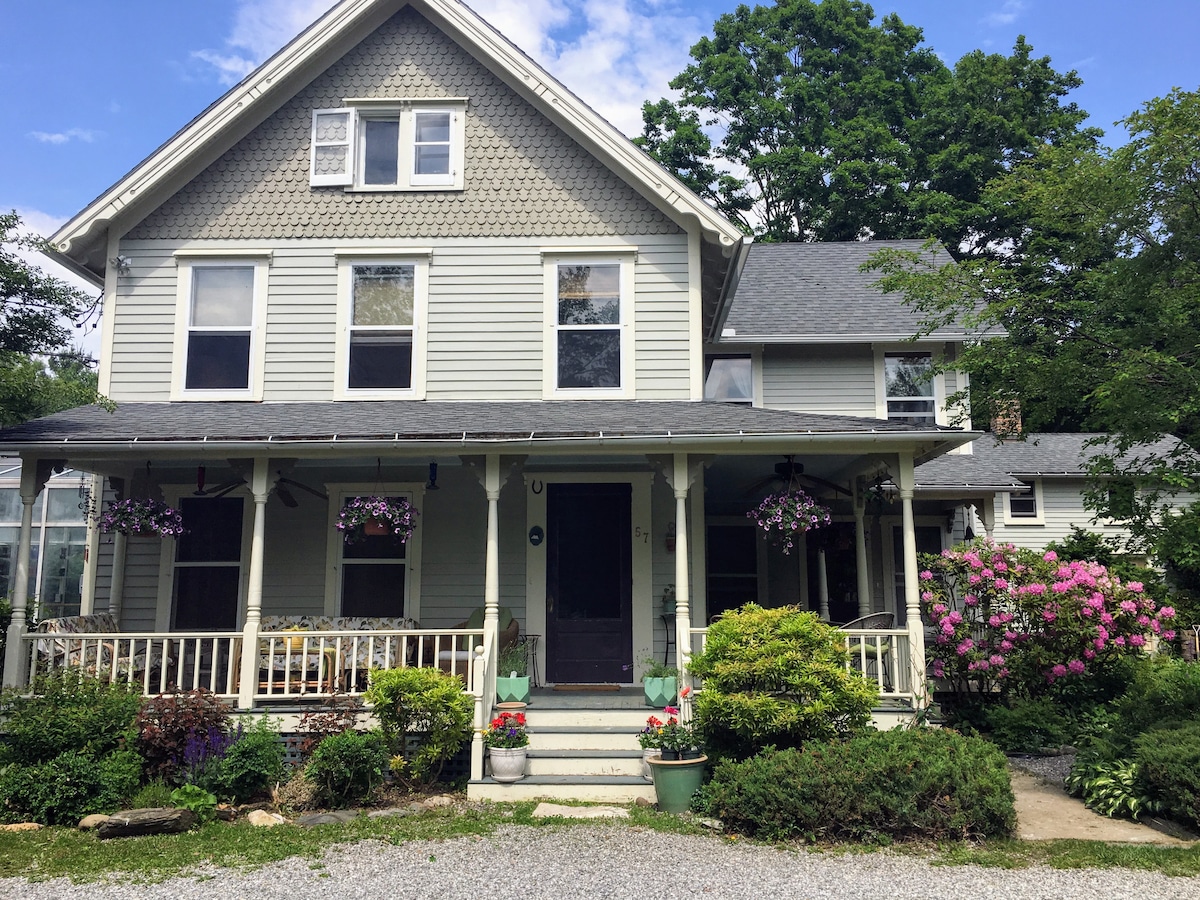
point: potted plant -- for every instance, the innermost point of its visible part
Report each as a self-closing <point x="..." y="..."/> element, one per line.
<point x="650" y="739"/>
<point x="512" y="682"/>
<point x="361" y="516"/>
<point x="660" y="683"/>
<point x="679" y="771"/>
<point x="142" y="516"/>
<point x="507" y="740"/>
<point x="785" y="515"/>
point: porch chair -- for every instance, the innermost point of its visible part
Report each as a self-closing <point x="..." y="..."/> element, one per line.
<point x="459" y="658"/>
<point x="68" y="649"/>
<point x="882" y="620"/>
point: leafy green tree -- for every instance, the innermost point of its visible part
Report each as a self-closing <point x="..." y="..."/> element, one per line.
<point x="1095" y="301"/>
<point x="831" y="127"/>
<point x="40" y="371"/>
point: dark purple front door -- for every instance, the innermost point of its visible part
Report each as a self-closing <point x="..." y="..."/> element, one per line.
<point x="589" y="583"/>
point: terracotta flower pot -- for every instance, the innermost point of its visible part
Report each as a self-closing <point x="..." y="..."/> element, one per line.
<point x="376" y="528"/>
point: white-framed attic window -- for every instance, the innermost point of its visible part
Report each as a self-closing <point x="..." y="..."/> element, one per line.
<point x="1025" y="507"/>
<point x="390" y="145"/>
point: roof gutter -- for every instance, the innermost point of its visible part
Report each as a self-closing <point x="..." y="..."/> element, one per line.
<point x="733" y="275"/>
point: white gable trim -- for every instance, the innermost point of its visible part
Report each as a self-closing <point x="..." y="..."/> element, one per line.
<point x="247" y="104"/>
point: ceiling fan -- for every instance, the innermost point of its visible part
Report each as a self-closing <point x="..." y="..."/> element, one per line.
<point x="219" y="490"/>
<point x="789" y="472"/>
<point x="282" y="483"/>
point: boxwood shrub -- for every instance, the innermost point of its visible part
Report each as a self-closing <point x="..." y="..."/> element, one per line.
<point x="1168" y="761"/>
<point x="925" y="783"/>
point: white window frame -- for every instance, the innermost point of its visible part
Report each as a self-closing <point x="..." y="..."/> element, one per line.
<point x="359" y="110"/>
<point x="339" y="493"/>
<point x="1040" y="513"/>
<point x="755" y="398"/>
<point x="626" y="258"/>
<point x="347" y="261"/>
<point x="186" y="264"/>
<point x="882" y="351"/>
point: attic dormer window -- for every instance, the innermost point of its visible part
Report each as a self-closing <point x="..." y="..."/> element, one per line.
<point x="381" y="145"/>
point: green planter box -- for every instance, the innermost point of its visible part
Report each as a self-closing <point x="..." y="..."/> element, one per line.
<point x="661" y="692"/>
<point x="512" y="689"/>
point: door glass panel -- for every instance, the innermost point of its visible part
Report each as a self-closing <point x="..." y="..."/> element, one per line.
<point x="372" y="589"/>
<point x="214" y="530"/>
<point x="62" y="571"/>
<point x="206" y="597"/>
<point x="208" y="563"/>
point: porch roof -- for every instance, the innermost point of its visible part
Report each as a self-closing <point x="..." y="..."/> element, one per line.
<point x="397" y="423"/>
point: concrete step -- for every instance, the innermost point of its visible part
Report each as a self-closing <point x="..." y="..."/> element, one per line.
<point x="594" y="738"/>
<point x="545" y="717"/>
<point x="600" y="788"/>
<point x="585" y="762"/>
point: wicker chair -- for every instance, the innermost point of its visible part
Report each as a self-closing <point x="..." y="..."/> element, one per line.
<point x="872" y="651"/>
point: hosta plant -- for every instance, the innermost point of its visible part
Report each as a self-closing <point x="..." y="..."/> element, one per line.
<point x="1110" y="788"/>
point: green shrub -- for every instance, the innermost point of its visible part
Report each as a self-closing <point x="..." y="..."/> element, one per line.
<point x="347" y="767"/>
<point x="1169" y="762"/>
<point x="152" y="795"/>
<point x="922" y="783"/>
<point x="248" y="766"/>
<point x="1163" y="692"/>
<point x="167" y="724"/>
<point x="1112" y="787"/>
<point x="68" y="787"/>
<point x="1027" y="726"/>
<point x="5" y="619"/>
<point x="776" y="677"/>
<point x="67" y="711"/>
<point x="196" y="799"/>
<point x="425" y="717"/>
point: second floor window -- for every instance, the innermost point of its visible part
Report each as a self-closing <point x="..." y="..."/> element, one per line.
<point x="220" y="328"/>
<point x="908" y="380"/>
<point x="730" y="379"/>
<point x="381" y="327"/>
<point x="588" y="328"/>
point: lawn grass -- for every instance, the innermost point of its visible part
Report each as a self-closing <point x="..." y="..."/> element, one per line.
<point x="82" y="857"/>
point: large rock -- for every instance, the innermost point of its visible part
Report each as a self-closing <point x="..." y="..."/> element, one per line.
<point x="136" y="822"/>
<point x="21" y="826"/>
<point x="260" y="818"/>
<point x="338" y="817"/>
<point x="92" y="822"/>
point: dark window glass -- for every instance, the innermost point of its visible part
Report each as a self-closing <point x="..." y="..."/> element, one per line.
<point x="380" y="359"/>
<point x="206" y="597"/>
<point x="589" y="359"/>
<point x="1023" y="504"/>
<point x="372" y="590"/>
<point x="381" y="156"/>
<point x="218" y="360"/>
<point x="213" y="530"/>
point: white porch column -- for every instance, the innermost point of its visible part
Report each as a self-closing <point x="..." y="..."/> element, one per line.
<point x="491" y="571"/>
<point x="822" y="586"/>
<point x="15" y="661"/>
<point x="861" y="564"/>
<point x="260" y="488"/>
<point x="116" y="591"/>
<point x="912" y="586"/>
<point x="987" y="513"/>
<point x="680" y="481"/>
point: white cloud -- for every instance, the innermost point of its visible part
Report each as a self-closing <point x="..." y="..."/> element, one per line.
<point x="260" y="27"/>
<point x="63" y="137"/>
<point x="1006" y="14"/>
<point x="35" y="221"/>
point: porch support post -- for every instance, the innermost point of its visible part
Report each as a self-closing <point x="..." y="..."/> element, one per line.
<point x="116" y="590"/>
<point x="822" y="586"/>
<point x="912" y="587"/>
<point x="491" y="571"/>
<point x="860" y="551"/>
<point x="260" y="488"/>
<point x="987" y="513"/>
<point x="683" y="616"/>
<point x="15" y="661"/>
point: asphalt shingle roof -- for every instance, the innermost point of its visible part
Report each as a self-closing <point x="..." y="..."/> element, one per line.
<point x="815" y="293"/>
<point x="422" y="420"/>
<point x="1052" y="453"/>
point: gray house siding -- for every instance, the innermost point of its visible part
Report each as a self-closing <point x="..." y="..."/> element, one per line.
<point x="820" y="379"/>
<point x="1063" y="509"/>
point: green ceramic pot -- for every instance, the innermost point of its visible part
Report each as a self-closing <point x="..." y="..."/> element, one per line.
<point x="661" y="692"/>
<point x="675" y="780"/>
<point x="512" y="689"/>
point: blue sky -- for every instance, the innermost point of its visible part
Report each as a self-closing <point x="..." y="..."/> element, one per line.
<point x="93" y="86"/>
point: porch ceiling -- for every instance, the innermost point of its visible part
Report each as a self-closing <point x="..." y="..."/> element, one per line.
<point x="307" y="429"/>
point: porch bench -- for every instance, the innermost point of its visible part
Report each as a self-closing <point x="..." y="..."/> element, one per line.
<point x="364" y="656"/>
<point x="95" y="657"/>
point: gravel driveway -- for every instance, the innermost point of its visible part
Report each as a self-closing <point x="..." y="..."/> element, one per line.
<point x="619" y="862"/>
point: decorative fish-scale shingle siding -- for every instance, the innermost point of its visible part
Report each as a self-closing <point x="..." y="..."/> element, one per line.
<point x="523" y="175"/>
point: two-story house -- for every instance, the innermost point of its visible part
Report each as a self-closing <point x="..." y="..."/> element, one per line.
<point x="401" y="259"/>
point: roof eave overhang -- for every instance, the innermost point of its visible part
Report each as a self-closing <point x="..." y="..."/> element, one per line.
<point x="277" y="79"/>
<point x="897" y="337"/>
<point x="924" y="445"/>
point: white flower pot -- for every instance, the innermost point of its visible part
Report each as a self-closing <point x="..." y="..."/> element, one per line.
<point x="508" y="763"/>
<point x="649" y="753"/>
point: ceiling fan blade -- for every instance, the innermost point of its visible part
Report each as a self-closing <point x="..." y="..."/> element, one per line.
<point x="222" y="489"/>
<point x="285" y="496"/>
<point x="302" y="486"/>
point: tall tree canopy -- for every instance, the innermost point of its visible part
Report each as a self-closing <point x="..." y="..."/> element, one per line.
<point x="40" y="371"/>
<point x="1098" y="293"/>
<point x="832" y="127"/>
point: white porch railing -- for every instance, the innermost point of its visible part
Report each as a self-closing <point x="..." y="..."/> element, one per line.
<point x="881" y="655"/>
<point x="290" y="665"/>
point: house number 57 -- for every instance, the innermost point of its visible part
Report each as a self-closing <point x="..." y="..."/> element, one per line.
<point x="641" y="534"/>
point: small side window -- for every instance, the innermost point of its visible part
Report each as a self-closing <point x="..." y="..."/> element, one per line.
<point x="1025" y="507"/>
<point x="729" y="379"/>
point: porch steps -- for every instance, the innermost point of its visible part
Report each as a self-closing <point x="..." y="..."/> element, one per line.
<point x="582" y="746"/>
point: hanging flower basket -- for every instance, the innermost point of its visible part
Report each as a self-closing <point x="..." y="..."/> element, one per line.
<point x="362" y="516"/>
<point x="142" y="516"/>
<point x="785" y="515"/>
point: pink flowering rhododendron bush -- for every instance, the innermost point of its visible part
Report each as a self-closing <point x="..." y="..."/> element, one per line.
<point x="1019" y="621"/>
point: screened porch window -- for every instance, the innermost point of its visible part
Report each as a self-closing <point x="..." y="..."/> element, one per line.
<point x="374" y="575"/>
<point x="208" y="564"/>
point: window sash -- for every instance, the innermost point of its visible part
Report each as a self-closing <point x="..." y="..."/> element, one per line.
<point x="588" y="321"/>
<point x="332" y="160"/>
<point x="1023" y="504"/>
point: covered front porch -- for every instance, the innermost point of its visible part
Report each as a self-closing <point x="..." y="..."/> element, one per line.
<point x="573" y="534"/>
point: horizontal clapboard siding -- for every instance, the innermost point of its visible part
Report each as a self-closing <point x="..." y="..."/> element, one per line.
<point x="837" y="380"/>
<point x="485" y="319"/>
